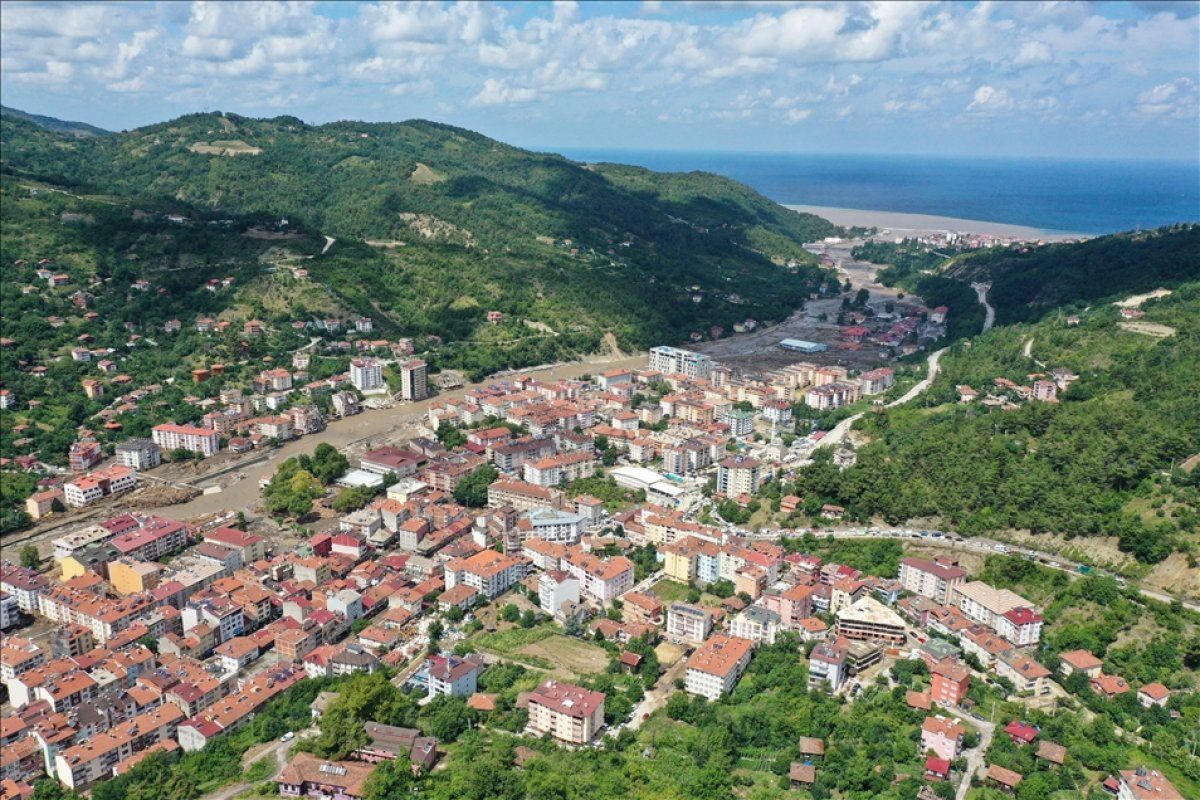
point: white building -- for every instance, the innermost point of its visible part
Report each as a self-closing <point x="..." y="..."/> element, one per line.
<point x="366" y="374"/>
<point x="556" y="587"/>
<point x="738" y="475"/>
<point x="756" y="623"/>
<point x="204" y="441"/>
<point x="139" y="454"/>
<point x="691" y="623"/>
<point x="717" y="665"/>
<point x="933" y="579"/>
<point x="674" y="361"/>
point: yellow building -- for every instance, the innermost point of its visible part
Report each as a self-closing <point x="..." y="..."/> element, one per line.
<point x="131" y="577"/>
<point x="681" y="559"/>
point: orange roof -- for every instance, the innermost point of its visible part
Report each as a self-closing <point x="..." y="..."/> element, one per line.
<point x="719" y="655"/>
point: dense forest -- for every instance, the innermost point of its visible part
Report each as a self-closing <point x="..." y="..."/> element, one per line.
<point x="1105" y="460"/>
<point x="1029" y="281"/>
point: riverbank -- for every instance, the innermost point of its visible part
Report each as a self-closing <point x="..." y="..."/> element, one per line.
<point x="915" y="224"/>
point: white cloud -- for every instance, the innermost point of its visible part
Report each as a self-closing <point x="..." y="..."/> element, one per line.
<point x="1033" y="52"/>
<point x="1175" y="99"/>
<point x="988" y="99"/>
<point x="498" y="92"/>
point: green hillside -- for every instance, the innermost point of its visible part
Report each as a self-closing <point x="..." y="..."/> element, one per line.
<point x="1096" y="463"/>
<point x="438" y="225"/>
<point x="78" y="129"/>
<point x="1029" y="281"/>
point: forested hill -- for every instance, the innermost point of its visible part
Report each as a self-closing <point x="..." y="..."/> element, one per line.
<point x="1115" y="456"/>
<point x="77" y="129"/>
<point x="1028" y="281"/>
<point x="357" y="179"/>
<point x="459" y="224"/>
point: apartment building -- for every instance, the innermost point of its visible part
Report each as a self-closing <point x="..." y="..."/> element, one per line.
<point x="936" y="580"/>
<point x="487" y="571"/>
<point x="565" y="467"/>
<point x="950" y="680"/>
<point x="690" y="623"/>
<point x="738" y="475"/>
<point x="757" y="624"/>
<point x="600" y="580"/>
<point x="138" y="454"/>
<point x="414" y="384"/>
<point x="556" y="587"/>
<point x="943" y="736"/>
<point x="717" y="665"/>
<point x="93" y="759"/>
<point x="366" y="375"/>
<point x="676" y="361"/>
<point x="451" y="675"/>
<point x="523" y="496"/>
<point x="170" y="436"/>
<point x="868" y="619"/>
<point x="569" y="713"/>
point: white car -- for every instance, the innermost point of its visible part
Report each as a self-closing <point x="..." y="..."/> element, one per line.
<point x="287" y="737"/>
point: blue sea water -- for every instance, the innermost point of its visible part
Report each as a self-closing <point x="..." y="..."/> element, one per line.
<point x="1075" y="196"/>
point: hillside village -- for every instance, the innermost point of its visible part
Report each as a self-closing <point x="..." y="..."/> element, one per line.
<point x="559" y="559"/>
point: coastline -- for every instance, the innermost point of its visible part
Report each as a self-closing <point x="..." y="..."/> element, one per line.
<point x="928" y="223"/>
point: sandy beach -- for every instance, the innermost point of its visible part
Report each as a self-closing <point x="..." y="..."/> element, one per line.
<point x="923" y="223"/>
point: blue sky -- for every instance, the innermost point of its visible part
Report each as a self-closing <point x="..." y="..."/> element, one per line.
<point x="1108" y="80"/>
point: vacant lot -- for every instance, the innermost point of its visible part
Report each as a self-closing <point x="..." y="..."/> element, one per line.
<point x="574" y="655"/>
<point x="668" y="654"/>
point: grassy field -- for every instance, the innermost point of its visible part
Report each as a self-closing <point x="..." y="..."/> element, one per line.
<point x="675" y="592"/>
<point x="575" y="655"/>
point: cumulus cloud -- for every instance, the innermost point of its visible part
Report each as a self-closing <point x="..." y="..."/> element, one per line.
<point x="499" y="92"/>
<point x="1175" y="99"/>
<point x="793" y="63"/>
<point x="1033" y="52"/>
<point x="990" y="100"/>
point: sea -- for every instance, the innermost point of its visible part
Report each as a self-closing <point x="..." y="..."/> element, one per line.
<point x="1070" y="196"/>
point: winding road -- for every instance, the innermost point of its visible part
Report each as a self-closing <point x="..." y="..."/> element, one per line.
<point x="840" y="431"/>
<point x="989" y="318"/>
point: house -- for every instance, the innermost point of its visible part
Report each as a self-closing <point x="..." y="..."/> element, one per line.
<point x="309" y="776"/>
<point x="1153" y="694"/>
<point x="1051" y="753"/>
<point x="1109" y="685"/>
<point x="942" y="736"/>
<point x="1079" y="661"/>
<point x="567" y="712"/>
<point x="1021" y="732"/>
<point x="937" y="769"/>
<point x="1006" y="779"/>
<point x="811" y="747"/>
<point x="716" y="665"/>
<point x="1146" y="784"/>
<point x="801" y="776"/>
<point x="1027" y="675"/>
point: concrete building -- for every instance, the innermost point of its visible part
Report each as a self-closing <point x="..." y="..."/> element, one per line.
<point x="675" y="361"/>
<point x="187" y="437"/>
<point x="738" y="475"/>
<point x="933" y="579"/>
<point x="366" y="375"/>
<point x="569" y="713"/>
<point x="414" y="383"/>
<point x="139" y="454"/>
<point x="453" y="676"/>
<point x="717" y="665"/>
<point x="690" y="623"/>
<point x="869" y="619"/>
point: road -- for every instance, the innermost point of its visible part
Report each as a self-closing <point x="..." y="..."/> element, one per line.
<point x="976" y="755"/>
<point x="981" y="546"/>
<point x="278" y="749"/>
<point x="840" y="431"/>
<point x="657" y="697"/>
<point x="989" y="317"/>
